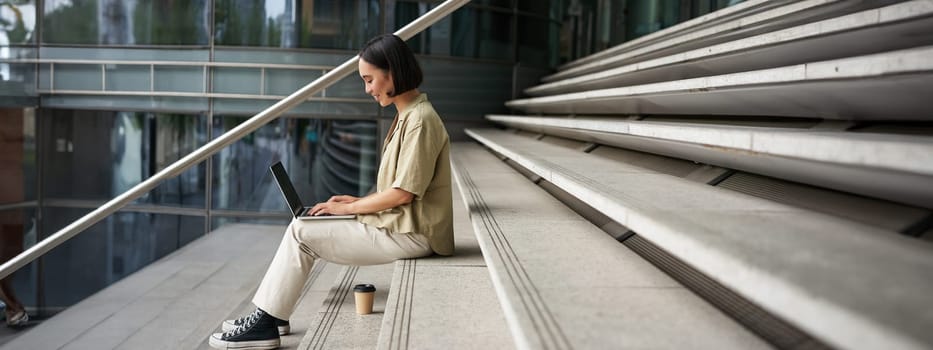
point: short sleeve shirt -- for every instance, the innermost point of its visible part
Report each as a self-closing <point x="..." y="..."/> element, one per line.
<point x="416" y="158"/>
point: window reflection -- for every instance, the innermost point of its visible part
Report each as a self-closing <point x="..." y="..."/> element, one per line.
<point x="17" y="155"/>
<point x="108" y="251"/>
<point x="322" y="157"/>
<point x="296" y="23"/>
<point x="126" y="22"/>
<point x="482" y="34"/>
<point x="114" y="151"/>
<point x="17" y="22"/>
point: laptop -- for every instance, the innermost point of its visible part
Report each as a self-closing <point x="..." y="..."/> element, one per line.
<point x="291" y="196"/>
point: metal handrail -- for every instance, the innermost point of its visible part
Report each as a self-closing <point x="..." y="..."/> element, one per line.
<point x="199" y="155"/>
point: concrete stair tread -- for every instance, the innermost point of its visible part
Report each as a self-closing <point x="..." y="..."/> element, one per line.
<point x="564" y="283"/>
<point x="846" y="88"/>
<point x="175" y="302"/>
<point x="906" y="153"/>
<point x="336" y="324"/>
<point x="845" y="283"/>
<point x="895" y="167"/>
<point x="445" y="302"/>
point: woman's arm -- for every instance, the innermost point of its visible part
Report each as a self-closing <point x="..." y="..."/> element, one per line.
<point x="378" y="201"/>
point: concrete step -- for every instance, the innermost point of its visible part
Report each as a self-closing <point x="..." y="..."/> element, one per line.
<point x="847" y="284"/>
<point x="174" y="303"/>
<point x="876" y="30"/>
<point x="896" y="167"/>
<point x="736" y="27"/>
<point x="564" y="283"/>
<point x="337" y="325"/>
<point x="323" y="275"/>
<point x="445" y="302"/>
<point x="886" y="86"/>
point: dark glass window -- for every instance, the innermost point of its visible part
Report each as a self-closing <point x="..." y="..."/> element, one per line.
<point x="322" y="157"/>
<point x="481" y="34"/>
<point x="117" y="22"/>
<point x="108" y="251"/>
<point x="537" y="44"/>
<point x="17" y="155"/>
<point x="95" y="155"/>
<point x="17" y="22"/>
<point x="296" y="23"/>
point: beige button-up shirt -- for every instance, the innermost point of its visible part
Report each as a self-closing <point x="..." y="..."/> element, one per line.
<point x="416" y="158"/>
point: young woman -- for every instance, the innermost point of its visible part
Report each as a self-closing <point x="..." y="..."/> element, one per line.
<point x="409" y="216"/>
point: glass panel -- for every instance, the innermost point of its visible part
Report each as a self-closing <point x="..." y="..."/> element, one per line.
<point x="405" y="12"/>
<point x="17" y="22"/>
<point x="117" y="22"/>
<point x="232" y="80"/>
<point x="645" y="17"/>
<point x="127" y="77"/>
<point x="109" y="250"/>
<point x="17" y="155"/>
<point x="497" y="3"/>
<point x="338" y="24"/>
<point x="97" y="155"/>
<point x="323" y="158"/>
<point x="301" y="23"/>
<point x="17" y="233"/>
<point x="178" y="78"/>
<point x="547" y="9"/>
<point x="482" y="34"/>
<point x="17" y="79"/>
<point x="537" y="44"/>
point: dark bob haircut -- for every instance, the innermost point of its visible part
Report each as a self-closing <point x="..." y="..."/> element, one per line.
<point x="391" y="54"/>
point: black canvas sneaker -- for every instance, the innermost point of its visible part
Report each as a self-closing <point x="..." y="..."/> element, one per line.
<point x="258" y="331"/>
<point x="229" y="325"/>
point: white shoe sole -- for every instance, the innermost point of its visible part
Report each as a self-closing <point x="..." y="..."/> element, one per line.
<point x="217" y="343"/>
<point x="228" y="326"/>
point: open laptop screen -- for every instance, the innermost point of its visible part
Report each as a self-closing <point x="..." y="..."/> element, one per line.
<point x="285" y="184"/>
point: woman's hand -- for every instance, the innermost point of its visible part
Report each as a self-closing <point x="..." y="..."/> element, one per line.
<point x="343" y="204"/>
<point x="331" y="208"/>
<point x="343" y="199"/>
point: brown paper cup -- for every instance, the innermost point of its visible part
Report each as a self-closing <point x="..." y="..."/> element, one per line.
<point x="364" y="302"/>
<point x="364" y="298"/>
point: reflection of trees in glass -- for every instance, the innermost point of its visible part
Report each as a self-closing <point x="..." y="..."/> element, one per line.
<point x="241" y="22"/>
<point x="174" y="22"/>
<point x="71" y="22"/>
<point x="126" y="22"/>
<point x="15" y="27"/>
<point x="291" y="23"/>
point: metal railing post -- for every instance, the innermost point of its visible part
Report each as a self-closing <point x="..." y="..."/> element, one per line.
<point x="215" y="146"/>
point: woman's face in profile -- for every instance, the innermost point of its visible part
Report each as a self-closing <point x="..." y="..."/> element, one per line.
<point x="377" y="83"/>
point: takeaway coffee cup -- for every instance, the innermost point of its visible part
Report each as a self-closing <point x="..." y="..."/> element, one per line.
<point x="364" y="298"/>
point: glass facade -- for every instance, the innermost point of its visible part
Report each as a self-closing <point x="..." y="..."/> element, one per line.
<point x="126" y="22"/>
<point x="323" y="158"/>
<point x="342" y="25"/>
<point x="96" y="155"/>
<point x="17" y="22"/>
<point x="98" y="95"/>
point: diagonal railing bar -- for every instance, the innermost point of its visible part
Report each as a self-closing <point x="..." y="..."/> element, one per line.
<point x="201" y="154"/>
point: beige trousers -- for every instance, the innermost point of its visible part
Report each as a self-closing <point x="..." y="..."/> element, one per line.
<point x="345" y="242"/>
